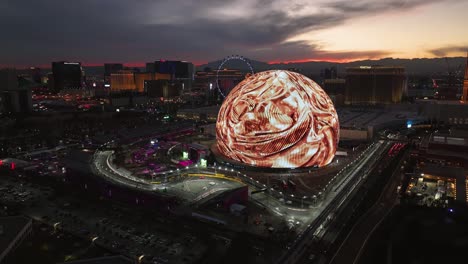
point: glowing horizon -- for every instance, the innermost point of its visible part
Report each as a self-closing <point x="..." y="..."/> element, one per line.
<point x="275" y="31"/>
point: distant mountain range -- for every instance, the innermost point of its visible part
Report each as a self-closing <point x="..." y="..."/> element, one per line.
<point x="413" y="66"/>
<point x="313" y="68"/>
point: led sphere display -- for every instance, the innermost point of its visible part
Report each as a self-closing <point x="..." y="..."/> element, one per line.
<point x="278" y="119"/>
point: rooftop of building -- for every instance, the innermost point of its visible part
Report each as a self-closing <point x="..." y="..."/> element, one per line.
<point x="363" y="118"/>
<point x="450" y="137"/>
<point x="456" y="173"/>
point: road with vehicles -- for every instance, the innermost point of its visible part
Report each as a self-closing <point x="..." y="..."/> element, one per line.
<point x="349" y="185"/>
<point x="351" y="248"/>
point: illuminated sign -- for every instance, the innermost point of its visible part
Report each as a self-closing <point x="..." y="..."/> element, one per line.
<point x="203" y="163"/>
<point x="278" y="119"/>
<point x="185" y="155"/>
<point x="72" y="63"/>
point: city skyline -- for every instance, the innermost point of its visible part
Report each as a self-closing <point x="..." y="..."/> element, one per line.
<point x="277" y="31"/>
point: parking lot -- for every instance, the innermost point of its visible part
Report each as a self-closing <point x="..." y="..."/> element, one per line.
<point x="122" y="231"/>
<point x="55" y="246"/>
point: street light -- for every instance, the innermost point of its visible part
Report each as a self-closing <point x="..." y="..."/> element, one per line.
<point x="302" y="201"/>
<point x="283" y="197"/>
<point x="56" y="225"/>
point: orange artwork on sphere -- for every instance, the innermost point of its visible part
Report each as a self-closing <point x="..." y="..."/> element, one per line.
<point x="278" y="119"/>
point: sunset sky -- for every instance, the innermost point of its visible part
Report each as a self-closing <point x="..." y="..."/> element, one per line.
<point x="36" y="32"/>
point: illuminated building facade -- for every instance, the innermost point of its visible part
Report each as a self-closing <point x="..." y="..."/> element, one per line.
<point x="371" y="85"/>
<point x="127" y="80"/>
<point x="122" y="81"/>
<point x="278" y="119"/>
<point x="140" y="79"/>
<point x="66" y="75"/>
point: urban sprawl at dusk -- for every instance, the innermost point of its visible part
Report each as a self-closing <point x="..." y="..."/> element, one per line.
<point x="213" y="132"/>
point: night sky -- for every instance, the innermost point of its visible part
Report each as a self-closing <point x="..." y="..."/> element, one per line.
<point x="36" y="32"/>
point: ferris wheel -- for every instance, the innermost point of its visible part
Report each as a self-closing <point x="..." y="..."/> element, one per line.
<point x="224" y="89"/>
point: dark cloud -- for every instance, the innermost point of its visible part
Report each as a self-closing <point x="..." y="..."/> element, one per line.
<point x="444" y="51"/>
<point x="37" y="32"/>
<point x="369" y="6"/>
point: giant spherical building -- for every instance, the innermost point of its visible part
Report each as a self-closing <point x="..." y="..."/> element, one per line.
<point x="278" y="119"/>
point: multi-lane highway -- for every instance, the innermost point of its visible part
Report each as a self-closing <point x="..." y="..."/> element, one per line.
<point x="345" y="187"/>
<point x="352" y="246"/>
